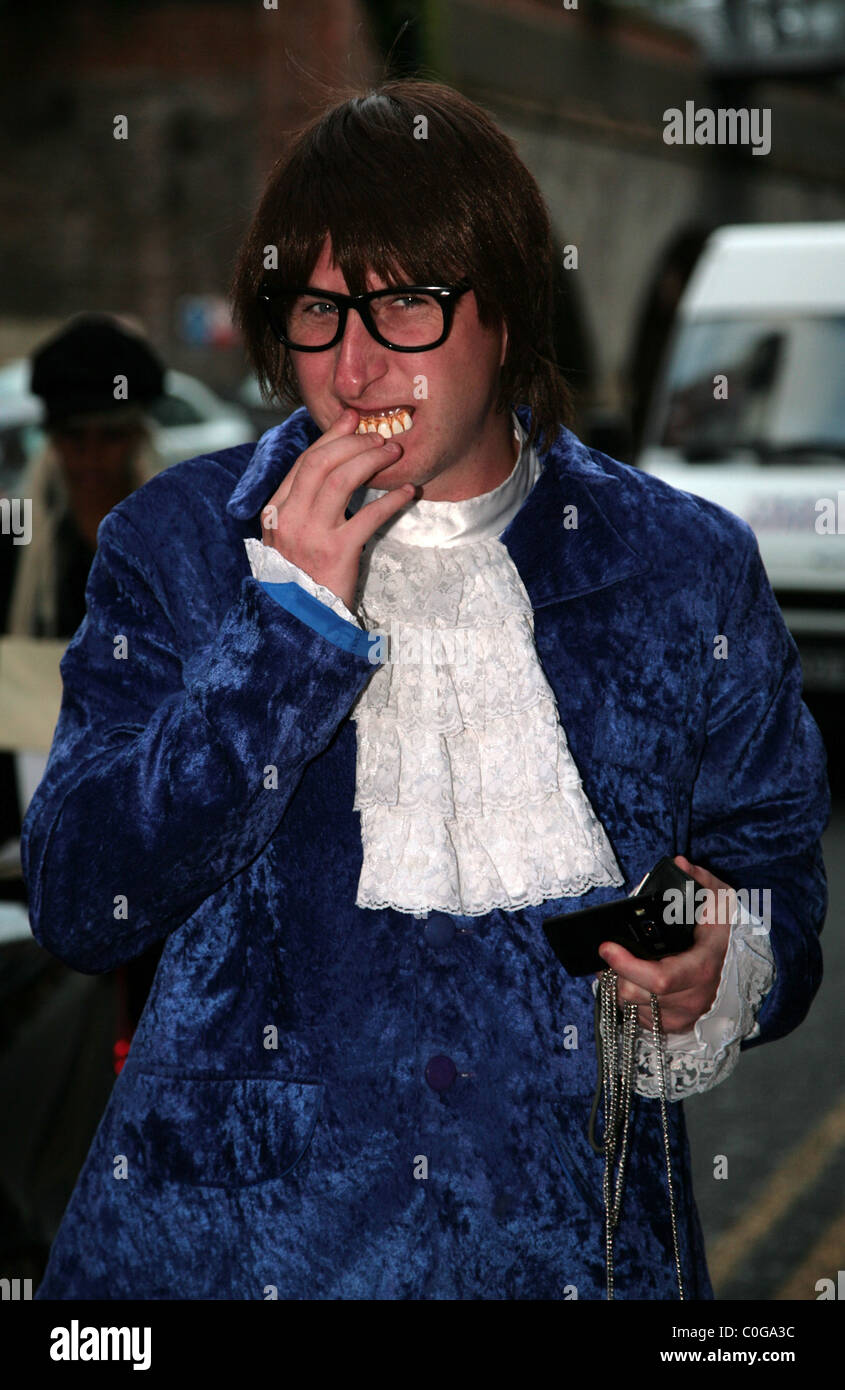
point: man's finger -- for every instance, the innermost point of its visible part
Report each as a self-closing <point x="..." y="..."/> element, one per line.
<point x="345" y="425"/>
<point x="666" y="976"/>
<point x="368" y="519"/>
<point x="702" y="876"/>
<point x="346" y="475"/>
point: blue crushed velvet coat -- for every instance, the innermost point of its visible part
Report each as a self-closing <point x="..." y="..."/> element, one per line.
<point x="250" y="1166"/>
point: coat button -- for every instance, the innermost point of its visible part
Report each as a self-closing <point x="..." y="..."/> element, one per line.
<point x="439" y="930"/>
<point x="440" y="1072"/>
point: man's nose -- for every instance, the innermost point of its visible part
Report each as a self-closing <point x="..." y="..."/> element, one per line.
<point x="359" y="359"/>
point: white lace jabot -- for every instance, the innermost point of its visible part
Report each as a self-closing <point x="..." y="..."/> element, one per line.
<point x="468" y="793"/>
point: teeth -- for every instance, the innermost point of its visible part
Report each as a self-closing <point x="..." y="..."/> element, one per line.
<point x="386" y="423"/>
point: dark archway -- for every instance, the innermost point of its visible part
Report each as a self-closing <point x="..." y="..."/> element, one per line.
<point x="654" y="322"/>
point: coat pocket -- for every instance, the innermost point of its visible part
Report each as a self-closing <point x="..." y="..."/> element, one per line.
<point x="217" y="1132"/>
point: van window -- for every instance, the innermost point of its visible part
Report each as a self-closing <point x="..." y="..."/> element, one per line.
<point x="782" y="397"/>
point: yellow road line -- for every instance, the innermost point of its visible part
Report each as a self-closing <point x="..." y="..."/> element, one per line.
<point x="798" y="1171"/>
<point x="824" y="1261"/>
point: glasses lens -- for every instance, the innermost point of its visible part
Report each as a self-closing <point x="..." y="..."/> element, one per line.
<point x="306" y="320"/>
<point x="409" y="320"/>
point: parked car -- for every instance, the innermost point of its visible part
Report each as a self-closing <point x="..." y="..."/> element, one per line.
<point x="263" y="416"/>
<point x="749" y="411"/>
<point x="192" y="419"/>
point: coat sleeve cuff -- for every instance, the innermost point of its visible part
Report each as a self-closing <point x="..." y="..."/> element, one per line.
<point x="317" y="616"/>
<point x="270" y="566"/>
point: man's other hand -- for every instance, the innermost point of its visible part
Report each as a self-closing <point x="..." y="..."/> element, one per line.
<point x="686" y="984"/>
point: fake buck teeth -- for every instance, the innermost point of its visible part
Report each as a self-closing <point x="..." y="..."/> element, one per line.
<point x="386" y="423"/>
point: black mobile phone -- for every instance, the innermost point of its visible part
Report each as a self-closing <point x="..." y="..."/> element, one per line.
<point x="639" y="922"/>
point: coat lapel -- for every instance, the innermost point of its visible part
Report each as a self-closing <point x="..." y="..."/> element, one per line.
<point x="275" y="452"/>
<point x="556" y="561"/>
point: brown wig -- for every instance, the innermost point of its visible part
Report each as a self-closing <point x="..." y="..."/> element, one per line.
<point x="415" y="206"/>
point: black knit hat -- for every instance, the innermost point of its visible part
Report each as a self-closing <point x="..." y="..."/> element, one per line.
<point x="74" y="371"/>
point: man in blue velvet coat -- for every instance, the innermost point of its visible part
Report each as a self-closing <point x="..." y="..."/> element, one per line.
<point x="361" y="1073"/>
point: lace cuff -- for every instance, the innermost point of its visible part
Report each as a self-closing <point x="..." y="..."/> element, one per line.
<point x="269" y="566"/>
<point x="698" y="1060"/>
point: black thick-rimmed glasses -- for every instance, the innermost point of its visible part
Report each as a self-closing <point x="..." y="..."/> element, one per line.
<point x="406" y="318"/>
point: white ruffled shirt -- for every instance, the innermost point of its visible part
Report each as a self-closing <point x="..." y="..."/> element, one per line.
<point x="468" y="794"/>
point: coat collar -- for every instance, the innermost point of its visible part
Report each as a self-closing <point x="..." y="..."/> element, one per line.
<point x="555" y="561"/>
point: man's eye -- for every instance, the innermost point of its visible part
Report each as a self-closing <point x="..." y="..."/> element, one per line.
<point x="318" y="308"/>
<point x="407" y="301"/>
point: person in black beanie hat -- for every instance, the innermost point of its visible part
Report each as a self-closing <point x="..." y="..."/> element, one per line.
<point x="95" y="376"/>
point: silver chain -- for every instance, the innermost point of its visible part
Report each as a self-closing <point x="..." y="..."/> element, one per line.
<point x="617" y="1078"/>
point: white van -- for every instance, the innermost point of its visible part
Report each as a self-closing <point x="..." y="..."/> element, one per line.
<point x="749" y="411"/>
